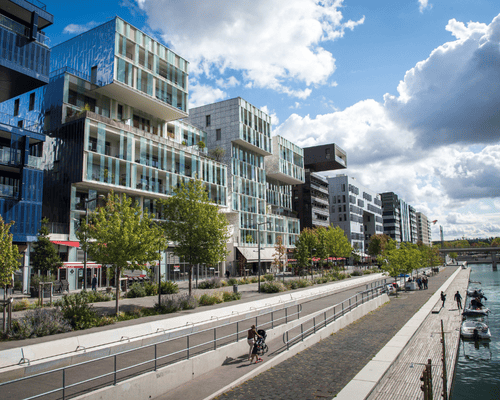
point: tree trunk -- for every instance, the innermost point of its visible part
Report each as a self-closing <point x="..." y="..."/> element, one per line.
<point x="190" y="274"/>
<point x="117" y="284"/>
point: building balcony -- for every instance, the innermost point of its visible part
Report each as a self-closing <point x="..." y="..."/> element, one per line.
<point x="9" y="191"/>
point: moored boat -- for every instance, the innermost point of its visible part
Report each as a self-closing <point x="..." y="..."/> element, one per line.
<point x="476" y="312"/>
<point x="475" y="330"/>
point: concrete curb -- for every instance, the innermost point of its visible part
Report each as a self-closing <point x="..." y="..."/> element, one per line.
<point x="360" y="387"/>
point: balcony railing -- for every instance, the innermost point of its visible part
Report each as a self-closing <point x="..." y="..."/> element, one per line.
<point x="22" y="30"/>
<point x="6" y="156"/>
<point x="35" y="162"/>
<point x="8" y="191"/>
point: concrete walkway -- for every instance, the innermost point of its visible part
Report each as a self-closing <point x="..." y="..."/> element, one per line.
<point x="322" y="370"/>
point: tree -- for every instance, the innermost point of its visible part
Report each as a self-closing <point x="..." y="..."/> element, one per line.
<point x="279" y="257"/>
<point x="217" y="154"/>
<point x="378" y="244"/>
<point x="195" y="224"/>
<point x="304" y="248"/>
<point x="9" y="254"/>
<point x="337" y="243"/>
<point x="495" y="242"/>
<point x="121" y="235"/>
<point x="45" y="257"/>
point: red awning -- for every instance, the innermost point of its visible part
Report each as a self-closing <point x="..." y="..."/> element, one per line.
<point x="66" y="243"/>
<point x="69" y="264"/>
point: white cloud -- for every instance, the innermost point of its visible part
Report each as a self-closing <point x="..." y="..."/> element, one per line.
<point x="423" y="4"/>
<point x="228" y="83"/>
<point x="277" y="44"/>
<point x="274" y="117"/>
<point x="200" y="95"/>
<point x="453" y="96"/>
<point x="74" y="29"/>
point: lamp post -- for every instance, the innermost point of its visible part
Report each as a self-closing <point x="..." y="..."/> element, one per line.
<point x="85" y="238"/>
<point x="258" y="245"/>
<point x="159" y="273"/>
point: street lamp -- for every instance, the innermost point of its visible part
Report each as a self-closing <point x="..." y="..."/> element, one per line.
<point x="258" y="244"/>
<point x="86" y="202"/>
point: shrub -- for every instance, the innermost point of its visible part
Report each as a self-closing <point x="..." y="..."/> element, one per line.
<point x="321" y="279"/>
<point x="150" y="288"/>
<point x="292" y="284"/>
<point x="97" y="297"/>
<point x="169" y="287"/>
<point x="368" y="271"/>
<point x="106" y="320"/>
<point x="38" y="323"/>
<point x="211" y="283"/>
<point x="78" y="312"/>
<point x="356" y="273"/>
<point x="302" y="283"/>
<point x="269" y="277"/>
<point x="229" y="296"/>
<point x="272" y="287"/>
<point x="168" y="305"/>
<point x="20" y="305"/>
<point x="243" y="281"/>
<point x="254" y="279"/>
<point x="210" y="299"/>
<point x="232" y="281"/>
<point x="18" y="285"/>
<point x="136" y="290"/>
<point x="187" y="302"/>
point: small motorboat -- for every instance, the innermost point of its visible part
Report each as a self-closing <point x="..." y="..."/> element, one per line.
<point x="473" y="292"/>
<point x="471" y="312"/>
<point x="475" y="330"/>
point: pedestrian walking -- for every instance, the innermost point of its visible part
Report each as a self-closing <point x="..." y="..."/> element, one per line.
<point x="419" y="283"/>
<point x="458" y="298"/>
<point x="252" y="336"/>
<point x="425" y="280"/>
<point x="228" y="274"/>
<point x="443" y="298"/>
<point x="255" y="354"/>
<point x="94" y="283"/>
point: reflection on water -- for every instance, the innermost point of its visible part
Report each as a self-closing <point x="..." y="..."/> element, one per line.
<point x="477" y="373"/>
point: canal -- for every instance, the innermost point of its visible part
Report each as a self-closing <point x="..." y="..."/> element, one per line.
<point x="477" y="373"/>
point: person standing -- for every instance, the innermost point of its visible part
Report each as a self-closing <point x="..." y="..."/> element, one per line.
<point x="425" y="280"/>
<point x="458" y="299"/>
<point x="94" y="283"/>
<point x="443" y="298"/>
<point x="252" y="336"/>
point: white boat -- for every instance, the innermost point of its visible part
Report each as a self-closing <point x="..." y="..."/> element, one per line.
<point x="475" y="330"/>
<point x="473" y="291"/>
<point x="479" y="312"/>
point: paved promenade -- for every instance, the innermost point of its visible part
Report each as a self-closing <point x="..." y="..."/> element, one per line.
<point x="321" y="371"/>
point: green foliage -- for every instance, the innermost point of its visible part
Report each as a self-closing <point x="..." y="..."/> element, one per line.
<point x="357" y="273"/>
<point x="232" y="281"/>
<point x="39" y="322"/>
<point x="195" y="224"/>
<point x="269" y="277"/>
<point x="122" y="235"/>
<point x="78" y="312"/>
<point x="20" y="305"/>
<point x="9" y="254"/>
<point x="187" y="302"/>
<point x="302" y="283"/>
<point x="136" y="290"/>
<point x="169" y="287"/>
<point x="45" y="257"/>
<point x="337" y="243"/>
<point x="151" y="288"/>
<point x="229" y="296"/>
<point x="495" y="242"/>
<point x="217" y="153"/>
<point x="201" y="145"/>
<point x="304" y="247"/>
<point x="210" y="299"/>
<point x="212" y="283"/>
<point x="280" y="260"/>
<point x="272" y="287"/>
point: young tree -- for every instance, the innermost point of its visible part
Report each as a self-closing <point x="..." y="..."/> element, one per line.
<point x="495" y="242"/>
<point x="338" y="244"/>
<point x="45" y="257"/>
<point x="9" y="254"/>
<point x="279" y="257"/>
<point x="122" y="235"/>
<point x="322" y="248"/>
<point x="305" y="247"/>
<point x="377" y="245"/>
<point x="195" y="224"/>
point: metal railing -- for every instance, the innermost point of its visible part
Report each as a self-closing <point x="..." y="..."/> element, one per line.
<point x="322" y="319"/>
<point x="123" y="365"/>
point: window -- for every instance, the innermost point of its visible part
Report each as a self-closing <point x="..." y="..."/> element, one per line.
<point x="32" y="101"/>
<point x="16" y="107"/>
<point x="327" y="153"/>
<point x="120" y="112"/>
<point x="207" y="120"/>
<point x="20" y="123"/>
<point x="93" y="74"/>
<point x="218" y="134"/>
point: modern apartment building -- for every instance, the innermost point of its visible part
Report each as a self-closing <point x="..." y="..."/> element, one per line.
<point x="262" y="170"/>
<point x="356" y="209"/>
<point x="24" y="66"/>
<point x="424" y="233"/>
<point x="111" y="111"/>
<point x="311" y="199"/>
<point x="400" y="218"/>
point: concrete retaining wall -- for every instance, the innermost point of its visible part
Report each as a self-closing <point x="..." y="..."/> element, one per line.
<point x="153" y="384"/>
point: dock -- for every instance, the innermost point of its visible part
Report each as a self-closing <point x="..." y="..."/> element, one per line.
<point x="402" y="381"/>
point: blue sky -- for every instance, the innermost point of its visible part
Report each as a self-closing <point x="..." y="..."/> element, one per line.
<point x="409" y="88"/>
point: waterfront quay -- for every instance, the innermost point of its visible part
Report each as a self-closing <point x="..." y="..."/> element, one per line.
<point x="355" y="362"/>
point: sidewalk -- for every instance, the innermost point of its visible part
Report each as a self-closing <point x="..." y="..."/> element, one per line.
<point x="322" y="370"/>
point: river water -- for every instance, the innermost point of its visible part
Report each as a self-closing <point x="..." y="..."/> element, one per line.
<point x="477" y="373"/>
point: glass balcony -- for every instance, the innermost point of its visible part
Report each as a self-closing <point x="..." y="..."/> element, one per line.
<point x="8" y="191"/>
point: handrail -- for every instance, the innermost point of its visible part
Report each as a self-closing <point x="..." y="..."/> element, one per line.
<point x="365" y="296"/>
<point x="188" y="350"/>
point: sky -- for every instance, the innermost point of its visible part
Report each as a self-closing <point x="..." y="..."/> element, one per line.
<point x="408" y="88"/>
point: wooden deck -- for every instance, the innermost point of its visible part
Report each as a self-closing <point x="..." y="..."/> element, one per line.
<point x="402" y="380"/>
